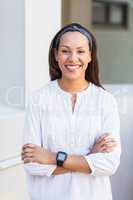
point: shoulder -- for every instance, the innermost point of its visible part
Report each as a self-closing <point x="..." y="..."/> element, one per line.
<point x="105" y="97"/>
<point x="47" y="88"/>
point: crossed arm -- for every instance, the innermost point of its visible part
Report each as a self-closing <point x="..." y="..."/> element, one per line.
<point x="34" y="153"/>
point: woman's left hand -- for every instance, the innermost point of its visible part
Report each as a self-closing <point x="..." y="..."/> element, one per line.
<point x="105" y="144"/>
<point x="35" y="153"/>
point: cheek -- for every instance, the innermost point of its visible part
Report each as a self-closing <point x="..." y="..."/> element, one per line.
<point x="61" y="60"/>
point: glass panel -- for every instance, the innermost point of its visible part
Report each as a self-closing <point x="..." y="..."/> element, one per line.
<point x="115" y="14"/>
<point x="98" y="13"/>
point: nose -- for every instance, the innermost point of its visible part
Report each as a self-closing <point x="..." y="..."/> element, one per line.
<point x="73" y="57"/>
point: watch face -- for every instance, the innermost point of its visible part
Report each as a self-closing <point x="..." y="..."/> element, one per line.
<point x="61" y="156"/>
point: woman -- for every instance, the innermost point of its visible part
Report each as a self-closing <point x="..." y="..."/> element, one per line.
<point x="71" y="136"/>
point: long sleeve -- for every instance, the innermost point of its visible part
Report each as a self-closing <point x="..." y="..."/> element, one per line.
<point x="106" y="164"/>
<point x="32" y="134"/>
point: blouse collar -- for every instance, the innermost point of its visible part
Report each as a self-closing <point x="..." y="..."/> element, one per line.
<point x="65" y="93"/>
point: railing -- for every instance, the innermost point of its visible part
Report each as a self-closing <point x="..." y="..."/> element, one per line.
<point x="10" y="162"/>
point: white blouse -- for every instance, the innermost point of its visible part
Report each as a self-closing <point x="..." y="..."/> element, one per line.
<point x="51" y="124"/>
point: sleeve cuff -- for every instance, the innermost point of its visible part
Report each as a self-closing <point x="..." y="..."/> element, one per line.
<point x="39" y="169"/>
<point x="91" y="166"/>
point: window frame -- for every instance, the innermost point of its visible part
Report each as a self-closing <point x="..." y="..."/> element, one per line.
<point x="124" y="6"/>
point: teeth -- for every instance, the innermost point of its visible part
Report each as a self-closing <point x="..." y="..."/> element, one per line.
<point x="72" y="66"/>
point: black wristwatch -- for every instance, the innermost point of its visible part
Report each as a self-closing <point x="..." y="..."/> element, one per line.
<point x="60" y="158"/>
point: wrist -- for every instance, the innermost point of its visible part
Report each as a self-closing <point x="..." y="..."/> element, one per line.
<point x="52" y="159"/>
<point x="49" y="158"/>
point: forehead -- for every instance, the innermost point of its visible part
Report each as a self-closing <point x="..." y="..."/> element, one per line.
<point x="74" y="38"/>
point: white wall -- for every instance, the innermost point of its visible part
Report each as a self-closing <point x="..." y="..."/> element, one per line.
<point x="42" y="20"/>
<point x="26" y="29"/>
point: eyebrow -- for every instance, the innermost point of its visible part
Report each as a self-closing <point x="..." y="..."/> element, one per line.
<point x="70" y="47"/>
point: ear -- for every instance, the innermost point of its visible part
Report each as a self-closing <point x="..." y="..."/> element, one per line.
<point x="89" y="58"/>
<point x="56" y="54"/>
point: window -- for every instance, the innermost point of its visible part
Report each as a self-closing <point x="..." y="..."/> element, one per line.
<point x="110" y="13"/>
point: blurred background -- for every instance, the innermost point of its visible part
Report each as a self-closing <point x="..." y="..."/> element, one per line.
<point x="26" y="29"/>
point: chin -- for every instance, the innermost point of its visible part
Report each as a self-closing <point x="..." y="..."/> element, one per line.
<point x="72" y="78"/>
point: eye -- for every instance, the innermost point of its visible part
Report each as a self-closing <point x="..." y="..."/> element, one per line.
<point x="65" y="51"/>
<point x="81" y="51"/>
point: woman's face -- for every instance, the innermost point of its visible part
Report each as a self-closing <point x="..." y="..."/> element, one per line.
<point x="73" y="55"/>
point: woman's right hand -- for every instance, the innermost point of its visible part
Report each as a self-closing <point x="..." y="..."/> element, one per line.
<point x="105" y="144"/>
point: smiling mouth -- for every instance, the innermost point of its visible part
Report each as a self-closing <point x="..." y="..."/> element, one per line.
<point x="72" y="67"/>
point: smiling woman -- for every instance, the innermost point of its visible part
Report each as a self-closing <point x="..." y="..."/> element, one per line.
<point x="84" y="48"/>
<point x="71" y="135"/>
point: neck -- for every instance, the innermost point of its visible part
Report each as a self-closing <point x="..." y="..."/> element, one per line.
<point x="73" y="86"/>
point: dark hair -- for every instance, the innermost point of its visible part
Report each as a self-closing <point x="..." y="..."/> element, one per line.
<point x="92" y="71"/>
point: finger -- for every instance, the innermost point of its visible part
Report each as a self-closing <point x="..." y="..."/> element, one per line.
<point x="101" y="143"/>
<point x="28" y="150"/>
<point x="111" y="148"/>
<point x="97" y="149"/>
<point x="29" y="146"/>
<point x="25" y="145"/>
<point x="111" y="143"/>
<point x="27" y="160"/>
<point x="110" y="139"/>
<point x="104" y="136"/>
<point x="28" y="155"/>
<point x="108" y="149"/>
<point x="107" y="140"/>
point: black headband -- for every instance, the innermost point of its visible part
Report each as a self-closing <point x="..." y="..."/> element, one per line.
<point x="72" y="29"/>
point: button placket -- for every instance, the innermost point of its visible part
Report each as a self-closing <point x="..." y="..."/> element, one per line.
<point x="73" y="120"/>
